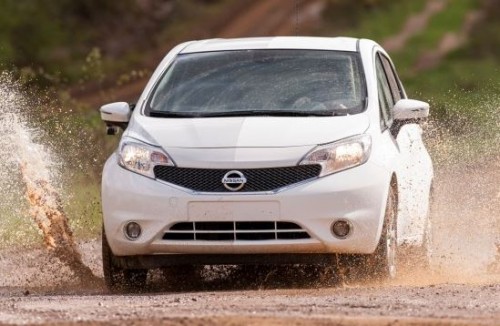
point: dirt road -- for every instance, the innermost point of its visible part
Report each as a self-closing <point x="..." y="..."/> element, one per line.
<point x="442" y="304"/>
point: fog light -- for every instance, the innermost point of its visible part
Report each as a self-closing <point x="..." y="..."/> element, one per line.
<point x="341" y="229"/>
<point x="133" y="230"/>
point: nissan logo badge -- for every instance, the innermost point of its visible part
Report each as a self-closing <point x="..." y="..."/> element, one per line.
<point x="234" y="180"/>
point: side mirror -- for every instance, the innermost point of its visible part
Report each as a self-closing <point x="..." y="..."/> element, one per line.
<point x="115" y="115"/>
<point x="410" y="110"/>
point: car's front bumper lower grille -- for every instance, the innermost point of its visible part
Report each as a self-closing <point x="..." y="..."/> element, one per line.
<point x="258" y="180"/>
<point x="235" y="231"/>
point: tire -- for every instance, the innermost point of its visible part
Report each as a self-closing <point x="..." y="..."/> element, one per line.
<point x="118" y="279"/>
<point x="382" y="264"/>
<point x="385" y="257"/>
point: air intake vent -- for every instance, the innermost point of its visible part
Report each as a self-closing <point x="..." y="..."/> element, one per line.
<point x="235" y="231"/>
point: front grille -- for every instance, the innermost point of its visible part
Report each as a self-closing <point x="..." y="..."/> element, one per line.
<point x="235" y="231"/>
<point x="210" y="180"/>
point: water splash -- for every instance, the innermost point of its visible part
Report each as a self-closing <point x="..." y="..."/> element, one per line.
<point x="32" y="168"/>
<point x="466" y="218"/>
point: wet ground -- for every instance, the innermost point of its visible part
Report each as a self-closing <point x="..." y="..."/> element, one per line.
<point x="440" y="304"/>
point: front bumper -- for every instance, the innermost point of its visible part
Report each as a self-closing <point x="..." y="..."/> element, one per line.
<point x="357" y="195"/>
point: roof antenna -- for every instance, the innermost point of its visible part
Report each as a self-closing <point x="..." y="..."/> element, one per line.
<point x="297" y="3"/>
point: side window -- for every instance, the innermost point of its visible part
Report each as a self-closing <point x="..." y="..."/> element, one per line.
<point x="386" y="101"/>
<point x="397" y="92"/>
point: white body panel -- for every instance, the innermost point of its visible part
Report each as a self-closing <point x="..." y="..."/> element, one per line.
<point x="358" y="195"/>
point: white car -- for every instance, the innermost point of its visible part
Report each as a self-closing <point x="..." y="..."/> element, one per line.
<point x="276" y="150"/>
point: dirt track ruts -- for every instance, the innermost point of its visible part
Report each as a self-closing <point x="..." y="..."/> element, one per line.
<point x="443" y="304"/>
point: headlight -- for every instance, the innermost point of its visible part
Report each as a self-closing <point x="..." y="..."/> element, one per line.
<point x="341" y="155"/>
<point x="141" y="158"/>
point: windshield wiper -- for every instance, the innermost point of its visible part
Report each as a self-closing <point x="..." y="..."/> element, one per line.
<point x="269" y="113"/>
<point x="170" y="114"/>
<point x="248" y="113"/>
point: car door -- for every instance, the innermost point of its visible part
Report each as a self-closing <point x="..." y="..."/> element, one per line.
<point x="414" y="166"/>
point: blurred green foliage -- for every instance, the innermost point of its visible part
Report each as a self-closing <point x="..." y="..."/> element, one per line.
<point x="50" y="40"/>
<point x="343" y="15"/>
<point x="48" y="34"/>
<point x="485" y="36"/>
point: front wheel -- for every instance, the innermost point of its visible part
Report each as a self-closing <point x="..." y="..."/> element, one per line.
<point x="116" y="278"/>
<point x="385" y="257"/>
<point x="382" y="264"/>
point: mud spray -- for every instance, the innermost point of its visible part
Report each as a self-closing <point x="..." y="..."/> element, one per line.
<point x="30" y="169"/>
<point x="465" y="221"/>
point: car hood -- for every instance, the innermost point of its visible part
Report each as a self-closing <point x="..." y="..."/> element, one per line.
<point x="238" y="132"/>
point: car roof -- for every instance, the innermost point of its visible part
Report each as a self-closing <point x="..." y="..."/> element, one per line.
<point x="280" y="42"/>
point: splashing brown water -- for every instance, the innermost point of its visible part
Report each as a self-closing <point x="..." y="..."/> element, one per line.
<point x="34" y="166"/>
<point x="466" y="211"/>
<point x="47" y="211"/>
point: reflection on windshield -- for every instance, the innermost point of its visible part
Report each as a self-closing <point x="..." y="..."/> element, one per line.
<point x="260" y="82"/>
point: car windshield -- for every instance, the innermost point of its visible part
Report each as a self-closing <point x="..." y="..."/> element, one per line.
<point x="260" y="82"/>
